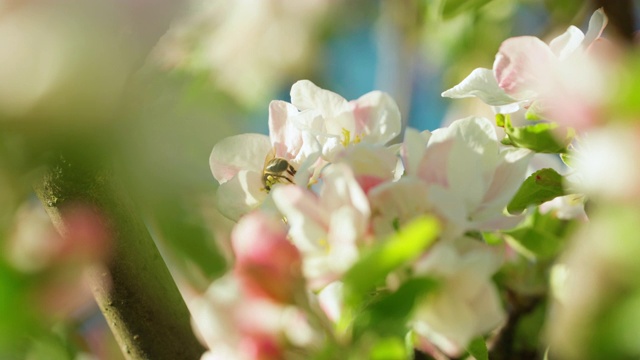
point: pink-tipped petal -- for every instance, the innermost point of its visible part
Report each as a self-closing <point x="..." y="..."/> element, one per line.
<point x="285" y="137"/>
<point x="377" y="115"/>
<point x="521" y="66"/>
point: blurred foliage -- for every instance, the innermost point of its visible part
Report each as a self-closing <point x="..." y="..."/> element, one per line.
<point x="605" y="260"/>
<point x="541" y="186"/>
<point x="541" y="137"/>
<point x="478" y="349"/>
<point x="159" y="126"/>
<point x="374" y="266"/>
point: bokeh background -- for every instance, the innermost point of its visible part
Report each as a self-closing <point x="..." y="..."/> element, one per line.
<point x="150" y="86"/>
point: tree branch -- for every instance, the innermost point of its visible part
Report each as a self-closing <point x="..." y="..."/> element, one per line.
<point x="133" y="288"/>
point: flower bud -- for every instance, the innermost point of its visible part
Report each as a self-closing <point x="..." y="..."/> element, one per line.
<point x="267" y="264"/>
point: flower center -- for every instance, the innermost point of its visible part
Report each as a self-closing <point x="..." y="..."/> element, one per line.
<point x="346" y="138"/>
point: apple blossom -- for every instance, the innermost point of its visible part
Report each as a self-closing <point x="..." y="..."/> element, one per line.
<point x="235" y="325"/>
<point x="371" y="164"/>
<point x="238" y="162"/>
<point x="566" y="207"/>
<point x="394" y="204"/>
<point x="605" y="163"/>
<point x="326" y="227"/>
<point x="267" y="264"/>
<point x="466" y="304"/>
<point x="469" y="177"/>
<point x="558" y="80"/>
<point x="372" y="118"/>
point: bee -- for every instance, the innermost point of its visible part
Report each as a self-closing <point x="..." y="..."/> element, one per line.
<point x="276" y="170"/>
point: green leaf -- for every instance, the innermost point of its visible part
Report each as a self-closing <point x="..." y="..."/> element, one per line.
<point x="535" y="243"/>
<point x="388" y="314"/>
<point x="531" y="115"/>
<point x="542" y="137"/>
<point x="388" y="349"/>
<point x="19" y="319"/>
<point x="454" y="7"/>
<point x="399" y="249"/>
<point x="542" y="236"/>
<point x="567" y="159"/>
<point x="543" y="185"/>
<point x="478" y="349"/>
<point x="500" y="120"/>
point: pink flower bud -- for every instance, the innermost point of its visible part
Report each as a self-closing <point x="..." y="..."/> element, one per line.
<point x="261" y="348"/>
<point x="267" y="264"/>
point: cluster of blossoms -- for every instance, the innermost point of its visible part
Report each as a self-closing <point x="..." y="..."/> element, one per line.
<point x="326" y="186"/>
<point x="330" y="185"/>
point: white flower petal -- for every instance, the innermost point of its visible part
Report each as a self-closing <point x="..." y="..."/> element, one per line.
<point x="522" y="65"/>
<point x="397" y="203"/>
<point x="564" y="45"/>
<point x="377" y="115"/>
<point x="481" y="83"/>
<point x="467" y="303"/>
<point x="236" y="153"/>
<point x="306" y="95"/>
<point x="241" y="194"/>
<point x="308" y="222"/>
<point x="345" y="229"/>
<point x="450" y="206"/>
<point x="341" y="188"/>
<point x="371" y="160"/>
<point x="507" y="178"/>
<point x="476" y="131"/>
<point x="285" y="137"/>
<point x="330" y="299"/>
<point x="413" y="148"/>
<point x="597" y="23"/>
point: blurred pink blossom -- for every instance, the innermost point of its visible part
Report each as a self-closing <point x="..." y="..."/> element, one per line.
<point x="565" y="81"/>
<point x="267" y="263"/>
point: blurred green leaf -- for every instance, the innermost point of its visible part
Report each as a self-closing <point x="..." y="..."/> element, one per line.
<point x="478" y="349"/>
<point x="567" y="159"/>
<point x="542" y="236"/>
<point x="18" y="320"/>
<point x="542" y="137"/>
<point x="500" y="120"/>
<point x="625" y="102"/>
<point x="401" y="248"/>
<point x="541" y="186"/>
<point x="531" y="115"/>
<point x="388" y="349"/>
<point x="563" y="11"/>
<point x="530" y="327"/>
<point x="388" y="314"/>
<point x="454" y="7"/>
<point x="60" y="343"/>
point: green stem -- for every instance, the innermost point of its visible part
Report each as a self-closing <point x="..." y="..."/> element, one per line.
<point x="133" y="287"/>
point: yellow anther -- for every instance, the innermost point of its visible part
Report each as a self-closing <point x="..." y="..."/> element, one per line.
<point x="324" y="244"/>
<point x="346" y="137"/>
